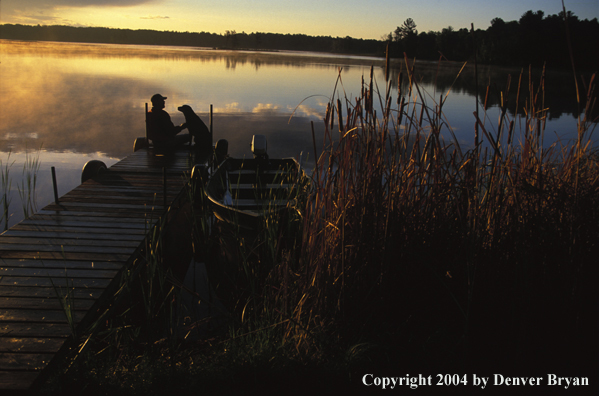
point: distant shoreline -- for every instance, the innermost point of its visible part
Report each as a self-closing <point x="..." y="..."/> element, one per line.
<point x="318" y="57"/>
<point x="264" y="42"/>
<point x="535" y="40"/>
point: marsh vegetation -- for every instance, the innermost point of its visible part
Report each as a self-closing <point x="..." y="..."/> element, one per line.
<point x="410" y="254"/>
<point x="27" y="184"/>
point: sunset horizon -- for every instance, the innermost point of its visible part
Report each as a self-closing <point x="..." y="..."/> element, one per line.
<point x="371" y="20"/>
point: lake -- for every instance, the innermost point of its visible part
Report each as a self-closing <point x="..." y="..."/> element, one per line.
<point x="69" y="103"/>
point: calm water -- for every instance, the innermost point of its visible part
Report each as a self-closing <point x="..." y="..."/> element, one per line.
<point x="70" y="103"/>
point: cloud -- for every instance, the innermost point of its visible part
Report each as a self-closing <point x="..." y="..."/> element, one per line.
<point x="154" y="17"/>
<point x="48" y="11"/>
<point x="9" y="5"/>
<point x="32" y="17"/>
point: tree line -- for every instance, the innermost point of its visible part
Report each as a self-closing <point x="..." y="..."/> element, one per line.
<point x="535" y="39"/>
<point x="230" y="40"/>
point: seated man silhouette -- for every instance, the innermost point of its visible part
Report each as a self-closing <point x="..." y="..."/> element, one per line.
<point x="161" y="130"/>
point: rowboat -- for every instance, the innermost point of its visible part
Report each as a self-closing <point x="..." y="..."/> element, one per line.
<point x="245" y="192"/>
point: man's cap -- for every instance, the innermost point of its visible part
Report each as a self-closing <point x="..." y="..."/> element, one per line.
<point x="157" y="97"/>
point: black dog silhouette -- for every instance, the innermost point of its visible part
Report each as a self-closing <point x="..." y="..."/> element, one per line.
<point x="196" y="127"/>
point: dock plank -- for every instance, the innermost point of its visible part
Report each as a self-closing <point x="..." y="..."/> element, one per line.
<point x="33" y="255"/>
<point x="39" y="315"/>
<point x="60" y="264"/>
<point x="19" y="291"/>
<point x="73" y="236"/>
<point x="22" y="361"/>
<point x="143" y="206"/>
<point x="54" y="282"/>
<point x="9" y="238"/>
<point x="77" y="304"/>
<point x="40" y="330"/>
<point x="94" y="216"/>
<point x="58" y="228"/>
<point x="73" y="222"/>
<point x="7" y="247"/>
<point x="54" y="272"/>
<point x="30" y="345"/>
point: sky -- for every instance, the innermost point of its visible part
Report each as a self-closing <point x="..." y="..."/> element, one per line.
<point x="367" y="19"/>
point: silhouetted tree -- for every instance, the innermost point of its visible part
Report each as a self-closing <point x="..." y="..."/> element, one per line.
<point x="406" y="37"/>
<point x="406" y="30"/>
<point x="535" y="39"/>
<point x="427" y="46"/>
<point x="230" y="38"/>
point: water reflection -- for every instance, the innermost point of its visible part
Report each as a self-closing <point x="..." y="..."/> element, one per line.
<point x="494" y="81"/>
<point x="87" y="101"/>
<point x="68" y="174"/>
<point x="91" y="98"/>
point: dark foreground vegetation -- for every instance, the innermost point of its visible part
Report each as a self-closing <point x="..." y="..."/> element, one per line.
<point x="410" y="255"/>
<point x="534" y="39"/>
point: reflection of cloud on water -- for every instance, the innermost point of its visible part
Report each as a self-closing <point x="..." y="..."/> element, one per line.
<point x="15" y="136"/>
<point x="90" y="98"/>
<point x="307" y="111"/>
<point x="285" y="138"/>
<point x="268" y="108"/>
<point x="75" y="112"/>
<point x="272" y="109"/>
<point x="80" y="113"/>
<point x="229" y="108"/>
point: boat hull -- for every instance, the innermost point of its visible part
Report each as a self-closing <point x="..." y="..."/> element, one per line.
<point x="245" y="192"/>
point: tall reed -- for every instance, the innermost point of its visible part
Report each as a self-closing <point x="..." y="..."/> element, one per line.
<point x="412" y="248"/>
<point x="6" y="187"/>
<point x="28" y="185"/>
<point x="408" y="252"/>
<point x="26" y="188"/>
<point x="409" y="237"/>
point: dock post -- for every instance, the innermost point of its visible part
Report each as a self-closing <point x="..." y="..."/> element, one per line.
<point x="211" y="130"/>
<point x="210" y="161"/>
<point x="54" y="184"/>
<point x="164" y="188"/>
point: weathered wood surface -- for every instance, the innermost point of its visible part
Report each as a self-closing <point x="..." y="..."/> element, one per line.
<point x="78" y="246"/>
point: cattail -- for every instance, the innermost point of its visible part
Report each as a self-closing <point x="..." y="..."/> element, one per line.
<point x="340" y="114"/>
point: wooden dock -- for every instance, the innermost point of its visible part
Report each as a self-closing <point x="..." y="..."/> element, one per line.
<point x="82" y="243"/>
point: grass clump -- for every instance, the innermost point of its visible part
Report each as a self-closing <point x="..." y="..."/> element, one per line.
<point x="27" y="188"/>
<point x="446" y="256"/>
<point x="5" y="199"/>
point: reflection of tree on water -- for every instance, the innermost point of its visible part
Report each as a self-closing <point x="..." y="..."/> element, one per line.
<point x="285" y="137"/>
<point x="107" y="123"/>
<point x="229" y="57"/>
<point x="90" y="111"/>
<point x="560" y="91"/>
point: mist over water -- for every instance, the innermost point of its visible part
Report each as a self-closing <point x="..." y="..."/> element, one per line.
<point x="71" y="103"/>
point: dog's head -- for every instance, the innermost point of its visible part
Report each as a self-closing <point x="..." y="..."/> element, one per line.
<point x="185" y="109"/>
